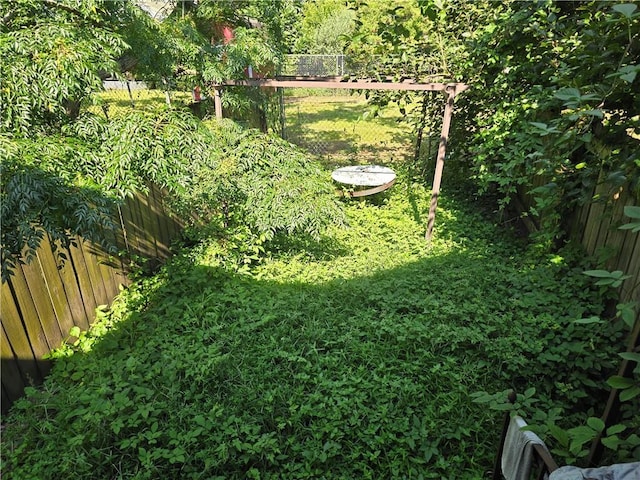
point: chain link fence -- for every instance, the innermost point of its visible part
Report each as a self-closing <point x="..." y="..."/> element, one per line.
<point x="338" y="130"/>
<point x="315" y="65"/>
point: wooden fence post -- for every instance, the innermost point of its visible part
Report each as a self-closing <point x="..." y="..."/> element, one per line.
<point x="442" y="149"/>
<point x="217" y="101"/>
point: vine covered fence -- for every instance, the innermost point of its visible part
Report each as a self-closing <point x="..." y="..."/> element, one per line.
<point x="44" y="300"/>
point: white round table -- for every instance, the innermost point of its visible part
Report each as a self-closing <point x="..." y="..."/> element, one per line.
<point x="376" y="176"/>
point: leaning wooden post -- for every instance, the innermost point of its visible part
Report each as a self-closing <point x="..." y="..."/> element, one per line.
<point x="442" y="149"/>
<point x="217" y="102"/>
<point x="611" y="413"/>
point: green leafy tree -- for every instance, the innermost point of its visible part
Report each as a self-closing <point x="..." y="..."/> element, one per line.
<point x="555" y="98"/>
<point x="325" y="27"/>
<point x="52" y="56"/>
<point x="63" y="170"/>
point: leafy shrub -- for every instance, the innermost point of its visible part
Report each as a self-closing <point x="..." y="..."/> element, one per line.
<point x="219" y="176"/>
<point x="36" y="203"/>
<point x="555" y="101"/>
<point x="552" y="108"/>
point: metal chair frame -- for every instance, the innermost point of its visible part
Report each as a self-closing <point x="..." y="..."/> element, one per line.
<point x="543" y="463"/>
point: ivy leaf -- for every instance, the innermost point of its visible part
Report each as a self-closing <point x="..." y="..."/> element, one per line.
<point x="588" y="321"/>
<point x="545" y="129"/>
<point x="579" y="436"/>
<point x="615" y="429"/>
<point x="619" y="382"/>
<point x="559" y="434"/>
<point x="598" y="273"/>
<point x="594" y="113"/>
<point x="629" y="77"/>
<point x="631" y="356"/>
<point x="625" y="9"/>
<point x="632" y="211"/>
<point x="627" y="312"/>
<point x="629" y="393"/>
<point x="567" y="94"/>
<point x="613" y="279"/>
<point x="611" y="442"/>
<point x="596" y="423"/>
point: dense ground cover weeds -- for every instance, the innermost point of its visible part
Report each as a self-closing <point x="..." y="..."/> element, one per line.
<point x="357" y="358"/>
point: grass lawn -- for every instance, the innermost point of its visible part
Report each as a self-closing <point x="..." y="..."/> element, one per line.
<point x="330" y="126"/>
<point x="333" y="128"/>
<point x="119" y="102"/>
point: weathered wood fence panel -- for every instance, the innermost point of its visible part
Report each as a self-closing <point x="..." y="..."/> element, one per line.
<point x="42" y="301"/>
<point x="596" y="227"/>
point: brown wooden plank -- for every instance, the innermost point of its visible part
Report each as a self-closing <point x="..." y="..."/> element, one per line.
<point x="72" y="290"/>
<point x="17" y="336"/>
<point x="13" y="382"/>
<point x="55" y="287"/>
<point x="108" y="265"/>
<point x="163" y="239"/>
<point x="25" y="317"/>
<point x="124" y="246"/>
<point x="580" y="223"/>
<point x="81" y="273"/>
<point x="592" y="226"/>
<point x="632" y="268"/>
<point x="95" y="275"/>
<point x="134" y="226"/>
<point x="140" y="228"/>
<point x="149" y="225"/>
<point x="604" y="227"/>
<point x="616" y="236"/>
<point x="45" y="314"/>
<point x="125" y="219"/>
<point x="175" y="225"/>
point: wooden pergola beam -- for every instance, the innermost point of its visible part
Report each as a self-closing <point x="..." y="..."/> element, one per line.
<point x="449" y="89"/>
<point x="339" y="83"/>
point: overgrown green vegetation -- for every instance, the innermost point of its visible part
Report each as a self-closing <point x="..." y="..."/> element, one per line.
<point x="60" y="150"/>
<point x="552" y="111"/>
<point x="352" y="358"/>
<point x="277" y="347"/>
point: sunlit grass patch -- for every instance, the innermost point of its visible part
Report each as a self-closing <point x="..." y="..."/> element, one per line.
<point x="119" y="102"/>
<point x="338" y="130"/>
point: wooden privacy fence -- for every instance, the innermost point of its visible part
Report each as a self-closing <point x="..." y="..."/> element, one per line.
<point x="42" y="301"/>
<point x="596" y="227"/>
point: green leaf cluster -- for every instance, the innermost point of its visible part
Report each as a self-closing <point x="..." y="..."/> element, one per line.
<point x="64" y="169"/>
<point x="555" y="99"/>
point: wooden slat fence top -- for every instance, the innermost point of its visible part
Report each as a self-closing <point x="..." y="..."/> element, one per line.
<point x="341" y="83"/>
